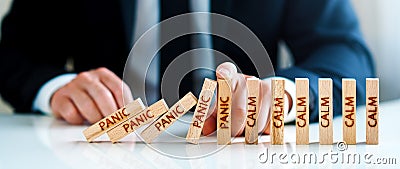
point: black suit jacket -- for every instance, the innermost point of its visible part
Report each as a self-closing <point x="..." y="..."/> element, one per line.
<point x="39" y="36"/>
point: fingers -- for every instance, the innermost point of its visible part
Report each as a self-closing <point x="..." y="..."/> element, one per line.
<point x="226" y="70"/>
<point x="64" y="108"/>
<point x="113" y="83"/>
<point x="86" y="106"/>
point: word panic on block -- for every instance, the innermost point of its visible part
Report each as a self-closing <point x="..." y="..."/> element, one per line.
<point x="224" y="107"/>
<point x="253" y="108"/>
<point x="144" y="117"/>
<point x="112" y="120"/>
<point x="200" y="113"/>
<point x="302" y="111"/>
<point x="277" y="111"/>
<point x="325" y="111"/>
<point x="166" y="120"/>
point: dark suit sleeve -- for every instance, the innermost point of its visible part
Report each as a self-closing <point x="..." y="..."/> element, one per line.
<point x="325" y="40"/>
<point x="27" y="54"/>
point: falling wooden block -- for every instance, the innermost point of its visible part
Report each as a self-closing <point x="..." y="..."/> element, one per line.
<point x="302" y="111"/>
<point x="109" y="122"/>
<point x="200" y="113"/>
<point x="224" y="104"/>
<point x="349" y="110"/>
<point x="277" y="111"/>
<point x="144" y="117"/>
<point x="253" y="108"/>
<point x="372" y="110"/>
<point x="166" y="120"/>
<point x="325" y="111"/>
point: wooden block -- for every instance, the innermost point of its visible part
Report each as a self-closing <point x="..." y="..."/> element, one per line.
<point x="109" y="122"/>
<point x="277" y="111"/>
<point x="349" y="110"/>
<point x="224" y="107"/>
<point x="325" y="111"/>
<point x="200" y="113"/>
<point x="144" y="117"/>
<point x="166" y="120"/>
<point x="372" y="110"/>
<point x="302" y="111"/>
<point x="253" y="108"/>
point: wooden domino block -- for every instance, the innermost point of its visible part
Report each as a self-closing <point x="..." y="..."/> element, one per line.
<point x="224" y="104"/>
<point x="372" y="110"/>
<point x="349" y="110"/>
<point x="166" y="120"/>
<point x="325" y="111"/>
<point x="277" y="111"/>
<point x="302" y="111"/>
<point x="200" y="113"/>
<point x="144" y="117"/>
<point x="109" y="122"/>
<point x="253" y="108"/>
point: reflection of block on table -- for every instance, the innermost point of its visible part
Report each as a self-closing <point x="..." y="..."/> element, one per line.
<point x="200" y="113"/>
<point x="144" y="117"/>
<point x="112" y="120"/>
<point x="166" y="120"/>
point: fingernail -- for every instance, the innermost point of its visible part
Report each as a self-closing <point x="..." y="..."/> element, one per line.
<point x="224" y="73"/>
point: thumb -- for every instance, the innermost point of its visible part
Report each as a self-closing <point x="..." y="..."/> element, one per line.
<point x="226" y="70"/>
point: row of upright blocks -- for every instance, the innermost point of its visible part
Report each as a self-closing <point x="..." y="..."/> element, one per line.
<point x="135" y="115"/>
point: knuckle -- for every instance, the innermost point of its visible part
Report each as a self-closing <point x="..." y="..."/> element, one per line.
<point x="85" y="76"/>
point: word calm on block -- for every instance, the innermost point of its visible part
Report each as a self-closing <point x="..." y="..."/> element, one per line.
<point x="349" y="110"/>
<point x="144" y="117"/>
<point x="277" y="111"/>
<point x="372" y="110"/>
<point x="325" y="111"/>
<point x="166" y="120"/>
<point x="253" y="108"/>
<point x="107" y="123"/>
<point x="224" y="106"/>
<point x="200" y="113"/>
<point x="302" y="111"/>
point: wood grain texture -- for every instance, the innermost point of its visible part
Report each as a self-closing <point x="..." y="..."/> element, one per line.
<point x="277" y="111"/>
<point x="302" y="111"/>
<point x="112" y="120"/>
<point x="200" y="113"/>
<point x="224" y="107"/>
<point x="372" y="110"/>
<point x="349" y="110"/>
<point x="144" y="117"/>
<point x="253" y="108"/>
<point x="167" y="119"/>
<point x="325" y="111"/>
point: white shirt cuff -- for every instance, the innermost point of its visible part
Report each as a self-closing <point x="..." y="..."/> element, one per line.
<point x="42" y="100"/>
<point x="290" y="88"/>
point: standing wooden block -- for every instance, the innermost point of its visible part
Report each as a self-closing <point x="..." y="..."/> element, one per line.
<point x="277" y="115"/>
<point x="137" y="121"/>
<point x="349" y="110"/>
<point x="302" y="111"/>
<point x="109" y="122"/>
<point x="166" y="120"/>
<point x="253" y="108"/>
<point x="200" y="113"/>
<point x="372" y="110"/>
<point x="224" y="106"/>
<point x="325" y="111"/>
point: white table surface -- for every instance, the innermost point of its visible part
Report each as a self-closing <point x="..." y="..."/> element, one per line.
<point x="31" y="141"/>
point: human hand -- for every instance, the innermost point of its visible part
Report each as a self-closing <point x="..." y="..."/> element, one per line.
<point x="228" y="70"/>
<point x="91" y="96"/>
